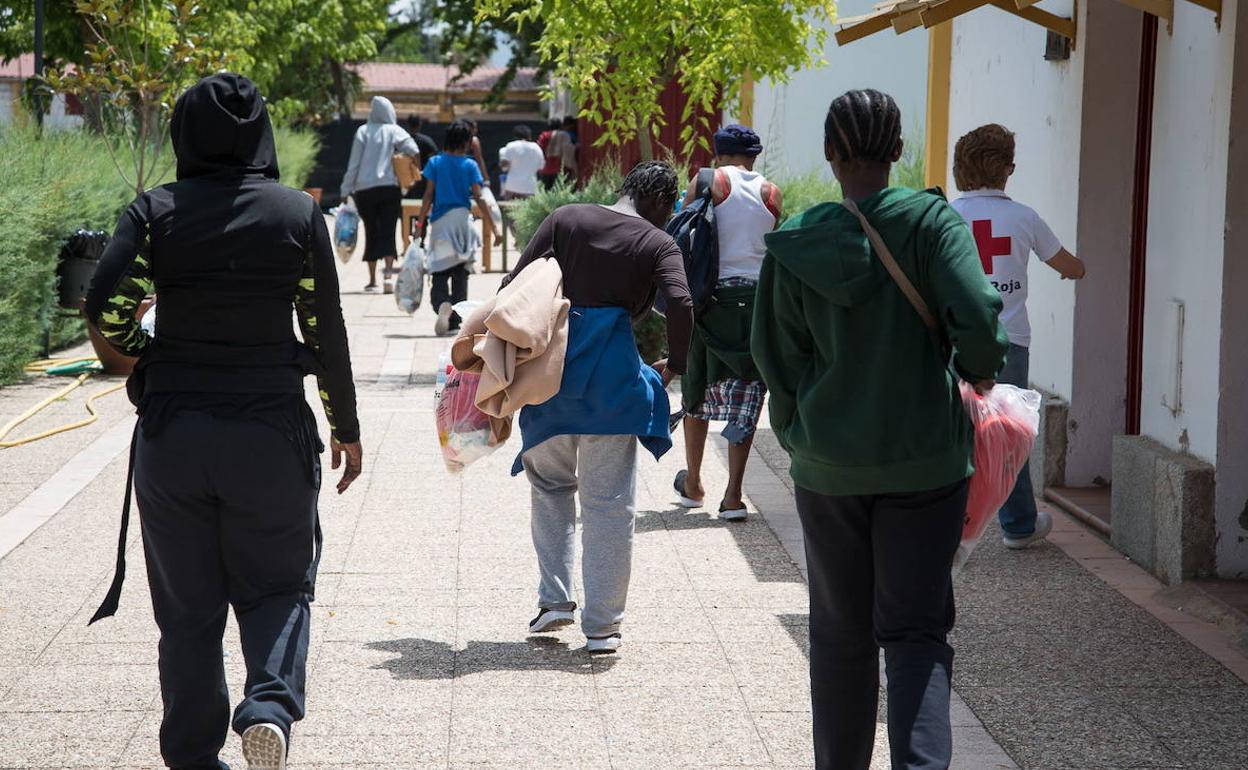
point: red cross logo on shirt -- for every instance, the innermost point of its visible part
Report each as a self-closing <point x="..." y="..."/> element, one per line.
<point x="989" y="246"/>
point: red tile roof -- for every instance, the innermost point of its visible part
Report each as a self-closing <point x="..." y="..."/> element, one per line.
<point x="380" y="77"/>
<point x="18" y="68"/>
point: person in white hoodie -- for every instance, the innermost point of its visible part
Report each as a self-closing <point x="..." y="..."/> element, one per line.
<point x="371" y="180"/>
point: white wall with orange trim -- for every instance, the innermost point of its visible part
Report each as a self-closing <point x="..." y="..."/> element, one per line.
<point x="999" y="75"/>
<point x="789" y="117"/>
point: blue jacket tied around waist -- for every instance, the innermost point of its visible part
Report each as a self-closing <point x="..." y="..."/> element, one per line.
<point x="607" y="390"/>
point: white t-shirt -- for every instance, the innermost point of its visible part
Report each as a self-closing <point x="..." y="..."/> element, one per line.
<point x="524" y="160"/>
<point x="1007" y="234"/>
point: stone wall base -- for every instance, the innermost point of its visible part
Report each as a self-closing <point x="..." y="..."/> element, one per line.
<point x="1048" y="456"/>
<point x="1163" y="509"/>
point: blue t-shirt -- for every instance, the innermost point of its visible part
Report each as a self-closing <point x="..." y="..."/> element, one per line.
<point x="453" y="177"/>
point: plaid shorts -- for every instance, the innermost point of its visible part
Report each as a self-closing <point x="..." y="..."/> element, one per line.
<point x="736" y="402"/>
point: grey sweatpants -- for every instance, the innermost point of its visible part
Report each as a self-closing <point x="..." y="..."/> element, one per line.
<point x="607" y="489"/>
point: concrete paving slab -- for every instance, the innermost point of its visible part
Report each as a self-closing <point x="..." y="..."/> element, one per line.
<point x="421" y="658"/>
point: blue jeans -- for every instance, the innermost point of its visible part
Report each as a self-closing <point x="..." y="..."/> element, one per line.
<point x="1018" y="515"/>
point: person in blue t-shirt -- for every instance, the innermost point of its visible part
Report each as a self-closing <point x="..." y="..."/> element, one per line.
<point x="454" y="181"/>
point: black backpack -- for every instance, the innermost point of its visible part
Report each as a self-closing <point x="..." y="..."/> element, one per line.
<point x="694" y="231"/>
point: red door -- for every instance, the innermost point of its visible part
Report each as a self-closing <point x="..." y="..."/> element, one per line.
<point x="673" y="100"/>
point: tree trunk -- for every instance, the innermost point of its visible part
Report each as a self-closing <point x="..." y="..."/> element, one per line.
<point x="644" y="140"/>
<point x="340" y="89"/>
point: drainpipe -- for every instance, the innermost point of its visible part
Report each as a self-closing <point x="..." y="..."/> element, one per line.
<point x="1139" y="224"/>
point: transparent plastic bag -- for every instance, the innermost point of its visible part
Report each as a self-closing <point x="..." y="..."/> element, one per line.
<point x="346" y="230"/>
<point x="409" y="287"/>
<point x="463" y="429"/>
<point x="1006" y="420"/>
<point x="496" y="212"/>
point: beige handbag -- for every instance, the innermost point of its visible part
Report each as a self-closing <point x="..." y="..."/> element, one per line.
<point x="407" y="169"/>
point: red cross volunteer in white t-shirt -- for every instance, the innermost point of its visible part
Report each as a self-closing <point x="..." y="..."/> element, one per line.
<point x="1007" y="234"/>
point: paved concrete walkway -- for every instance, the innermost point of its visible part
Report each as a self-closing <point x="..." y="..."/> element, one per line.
<point x="420" y="653"/>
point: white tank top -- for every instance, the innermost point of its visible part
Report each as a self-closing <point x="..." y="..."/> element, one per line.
<point x="741" y="220"/>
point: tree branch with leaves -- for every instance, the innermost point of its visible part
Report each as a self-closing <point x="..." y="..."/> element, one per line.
<point x="618" y="56"/>
<point x="140" y="56"/>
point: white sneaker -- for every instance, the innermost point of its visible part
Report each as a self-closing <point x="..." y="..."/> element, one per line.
<point x="551" y="620"/>
<point x="264" y="747"/>
<point x="1044" y="525"/>
<point x="602" y="645"/>
<point x="442" y="326"/>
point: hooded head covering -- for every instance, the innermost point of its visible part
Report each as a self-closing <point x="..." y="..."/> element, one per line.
<point x="737" y="140"/>
<point x="221" y="125"/>
<point x="382" y="111"/>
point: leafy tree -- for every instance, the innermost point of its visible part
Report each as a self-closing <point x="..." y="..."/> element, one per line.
<point x="618" y="56"/>
<point x="295" y="50"/>
<point x="452" y="32"/>
<point x="62" y="30"/>
<point x="139" y="58"/>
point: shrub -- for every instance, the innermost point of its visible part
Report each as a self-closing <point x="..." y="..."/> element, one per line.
<point x="296" y="155"/>
<point x="809" y="189"/>
<point x="54" y="184"/>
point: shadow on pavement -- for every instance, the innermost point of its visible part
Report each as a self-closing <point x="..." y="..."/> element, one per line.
<point x="427" y="660"/>
<point x="754" y="539"/>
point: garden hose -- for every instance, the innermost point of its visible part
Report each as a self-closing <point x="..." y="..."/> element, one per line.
<point x="83" y="368"/>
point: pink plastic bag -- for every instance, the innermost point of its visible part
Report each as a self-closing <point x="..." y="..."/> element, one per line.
<point x="463" y="429"/>
<point x="1006" y="421"/>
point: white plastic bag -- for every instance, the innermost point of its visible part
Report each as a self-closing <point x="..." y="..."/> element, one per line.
<point x="1006" y="420"/>
<point x="409" y="288"/>
<point x="148" y="322"/>
<point x="496" y="213"/>
<point x="463" y="429"/>
<point x="346" y="229"/>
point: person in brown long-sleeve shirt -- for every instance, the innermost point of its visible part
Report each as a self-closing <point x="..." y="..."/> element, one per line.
<point x="615" y="260"/>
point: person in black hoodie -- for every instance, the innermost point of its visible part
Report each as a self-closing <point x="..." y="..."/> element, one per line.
<point x="225" y="459"/>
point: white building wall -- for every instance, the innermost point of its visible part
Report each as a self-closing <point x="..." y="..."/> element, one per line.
<point x="1187" y="210"/>
<point x="6" y="103"/>
<point x="999" y="75"/>
<point x="789" y="117"/>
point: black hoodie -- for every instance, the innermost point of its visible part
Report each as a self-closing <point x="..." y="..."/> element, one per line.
<point x="229" y="252"/>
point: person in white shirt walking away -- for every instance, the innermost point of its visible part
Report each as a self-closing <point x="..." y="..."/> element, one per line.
<point x="721" y="382"/>
<point x="1007" y="234"/>
<point x="521" y="159"/>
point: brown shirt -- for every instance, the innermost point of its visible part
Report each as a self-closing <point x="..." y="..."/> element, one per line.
<point x="610" y="259"/>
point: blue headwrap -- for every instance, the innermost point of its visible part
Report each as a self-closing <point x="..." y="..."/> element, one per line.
<point x="737" y="140"/>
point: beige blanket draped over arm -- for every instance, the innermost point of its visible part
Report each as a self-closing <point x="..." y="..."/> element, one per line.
<point x="517" y="342"/>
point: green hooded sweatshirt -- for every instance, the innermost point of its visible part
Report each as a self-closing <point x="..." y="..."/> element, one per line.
<point x="860" y="394"/>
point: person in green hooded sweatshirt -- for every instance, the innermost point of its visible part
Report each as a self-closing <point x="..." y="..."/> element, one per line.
<point x="865" y="403"/>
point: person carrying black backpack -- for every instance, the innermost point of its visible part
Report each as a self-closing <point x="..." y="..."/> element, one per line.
<point x="721" y="232"/>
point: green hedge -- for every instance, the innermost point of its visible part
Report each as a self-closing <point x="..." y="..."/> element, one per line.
<point x="53" y="185"/>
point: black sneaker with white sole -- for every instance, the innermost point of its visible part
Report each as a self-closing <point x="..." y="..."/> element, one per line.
<point x="549" y="619"/>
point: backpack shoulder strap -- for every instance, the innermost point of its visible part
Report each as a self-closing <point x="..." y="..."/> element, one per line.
<point x="706" y="179"/>
<point x="894" y="269"/>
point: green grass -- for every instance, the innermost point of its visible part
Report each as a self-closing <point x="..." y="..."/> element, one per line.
<point x="54" y="184"/>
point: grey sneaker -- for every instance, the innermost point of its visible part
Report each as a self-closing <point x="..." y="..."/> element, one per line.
<point x="603" y="645"/>
<point x="1044" y="525"/>
<point x="551" y="620"/>
<point x="264" y="747"/>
